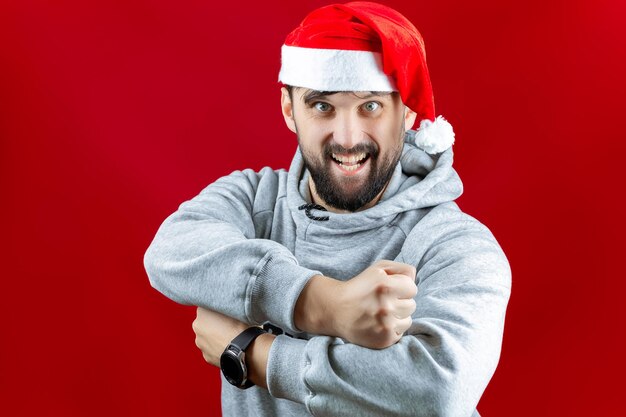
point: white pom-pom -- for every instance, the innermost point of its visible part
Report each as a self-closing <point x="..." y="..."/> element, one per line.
<point x="434" y="137"/>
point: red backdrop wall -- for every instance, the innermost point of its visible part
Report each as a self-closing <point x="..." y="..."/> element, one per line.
<point x="113" y="113"/>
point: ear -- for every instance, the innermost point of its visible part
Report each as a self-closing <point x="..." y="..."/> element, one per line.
<point x="409" y="118"/>
<point x="287" y="108"/>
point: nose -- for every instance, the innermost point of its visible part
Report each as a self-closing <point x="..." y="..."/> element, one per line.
<point x="348" y="130"/>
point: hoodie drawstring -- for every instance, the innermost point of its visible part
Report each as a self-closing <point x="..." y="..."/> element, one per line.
<point x="307" y="210"/>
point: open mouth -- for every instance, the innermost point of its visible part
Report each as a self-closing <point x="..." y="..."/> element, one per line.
<point x="350" y="162"/>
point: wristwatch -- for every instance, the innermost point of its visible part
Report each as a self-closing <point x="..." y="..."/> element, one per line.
<point x="233" y="360"/>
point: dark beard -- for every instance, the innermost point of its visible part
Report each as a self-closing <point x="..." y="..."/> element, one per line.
<point x="381" y="171"/>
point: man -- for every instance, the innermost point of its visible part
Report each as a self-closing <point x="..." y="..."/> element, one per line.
<point x="332" y="251"/>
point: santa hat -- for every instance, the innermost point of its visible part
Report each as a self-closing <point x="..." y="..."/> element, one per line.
<point x="365" y="46"/>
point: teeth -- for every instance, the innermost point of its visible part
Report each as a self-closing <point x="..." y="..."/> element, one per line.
<point x="351" y="167"/>
<point x="351" y="159"/>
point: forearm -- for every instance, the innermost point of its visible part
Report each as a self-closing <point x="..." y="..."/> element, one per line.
<point x="313" y="310"/>
<point x="215" y="332"/>
<point x="251" y="280"/>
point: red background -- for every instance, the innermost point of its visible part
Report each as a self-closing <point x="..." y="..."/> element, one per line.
<point x="113" y="113"/>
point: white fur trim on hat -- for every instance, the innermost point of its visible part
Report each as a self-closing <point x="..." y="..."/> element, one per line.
<point x="434" y="137"/>
<point x="333" y="70"/>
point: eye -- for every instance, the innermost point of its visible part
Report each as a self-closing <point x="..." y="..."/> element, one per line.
<point x="322" y="107"/>
<point x="371" y="106"/>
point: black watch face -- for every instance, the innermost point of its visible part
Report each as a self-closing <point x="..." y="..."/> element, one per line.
<point x="231" y="368"/>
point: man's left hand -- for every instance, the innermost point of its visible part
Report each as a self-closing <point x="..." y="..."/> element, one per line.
<point x="214" y="332"/>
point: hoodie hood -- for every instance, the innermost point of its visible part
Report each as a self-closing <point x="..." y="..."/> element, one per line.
<point x="420" y="180"/>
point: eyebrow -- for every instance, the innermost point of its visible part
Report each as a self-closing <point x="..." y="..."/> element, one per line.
<point x="313" y="95"/>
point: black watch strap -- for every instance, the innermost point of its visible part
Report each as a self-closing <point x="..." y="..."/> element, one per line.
<point x="243" y="340"/>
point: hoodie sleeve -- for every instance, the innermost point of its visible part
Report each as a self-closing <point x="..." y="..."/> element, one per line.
<point x="445" y="360"/>
<point x="208" y="254"/>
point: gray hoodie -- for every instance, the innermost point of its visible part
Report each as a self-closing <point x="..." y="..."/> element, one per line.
<point x="243" y="247"/>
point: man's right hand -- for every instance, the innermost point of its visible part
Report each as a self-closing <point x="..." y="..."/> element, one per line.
<point x="372" y="309"/>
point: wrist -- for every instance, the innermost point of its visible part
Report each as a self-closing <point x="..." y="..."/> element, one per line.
<point x="314" y="311"/>
<point x="228" y="336"/>
<point x="256" y="359"/>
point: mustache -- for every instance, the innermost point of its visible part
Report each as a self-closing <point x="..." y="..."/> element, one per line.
<point x="335" y="148"/>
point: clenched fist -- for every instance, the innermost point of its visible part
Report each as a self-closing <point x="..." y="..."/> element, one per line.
<point x="372" y="309"/>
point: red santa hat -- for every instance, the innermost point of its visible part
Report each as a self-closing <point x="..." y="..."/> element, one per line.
<point x="365" y="46"/>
